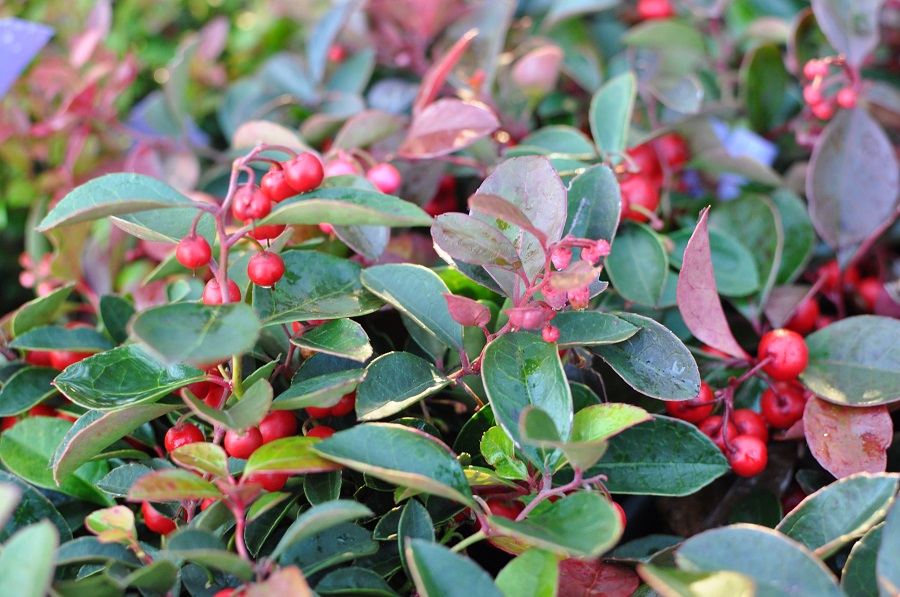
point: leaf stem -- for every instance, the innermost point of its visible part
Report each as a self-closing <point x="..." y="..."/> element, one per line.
<point x="470" y="540"/>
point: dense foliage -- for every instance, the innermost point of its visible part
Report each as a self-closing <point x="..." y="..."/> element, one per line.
<point x="451" y="298"/>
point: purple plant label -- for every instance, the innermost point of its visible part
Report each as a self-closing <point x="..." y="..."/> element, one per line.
<point x="20" y="41"/>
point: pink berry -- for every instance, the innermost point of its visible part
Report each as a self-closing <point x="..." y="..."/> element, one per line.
<point x="561" y="257"/>
<point x="385" y="177"/>
<point x="846" y="98"/>
<point x="339" y="168"/>
<point x="550" y="333"/>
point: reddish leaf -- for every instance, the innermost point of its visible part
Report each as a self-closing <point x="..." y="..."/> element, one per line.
<point x="446" y="126"/>
<point x="466" y="311"/>
<point x="435" y="77"/>
<point x="492" y="205"/>
<point x="698" y="299"/>
<point x="537" y="71"/>
<point x="593" y="578"/>
<point x="529" y="318"/>
<point x="286" y="581"/>
<point x="169" y="485"/>
<point x="847" y="440"/>
<point x="783" y="302"/>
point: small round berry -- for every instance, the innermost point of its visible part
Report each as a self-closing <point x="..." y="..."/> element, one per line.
<point x="782" y="406"/>
<point x="321" y="431"/>
<point x="673" y="151"/>
<point x="212" y="293"/>
<point x="812" y="95"/>
<point x="38" y="358"/>
<point x="340" y="168"/>
<point x="830" y="272"/>
<point x="823" y="111"/>
<point x="750" y="422"/>
<point x="242" y="445"/>
<point x="267" y="232"/>
<point x="182" y="435"/>
<point x="868" y="290"/>
<point x="345" y="405"/>
<point x="225" y="593"/>
<point x="251" y="206"/>
<point x="550" y="333"/>
<point x="561" y="257"/>
<point x="638" y="192"/>
<point x="199" y="389"/>
<point x="303" y="173"/>
<point x="788" y="353"/>
<point x="815" y="68"/>
<point x="317" y="412"/>
<point x="269" y="481"/>
<point x="621" y="512"/>
<point x="646" y="162"/>
<point x="216" y="396"/>
<point x="695" y="409"/>
<point x="60" y="359"/>
<point x="748" y="455"/>
<point x="193" y="251"/>
<point x="155" y="521"/>
<point x="846" y="98"/>
<point x="337" y="53"/>
<point x="505" y="508"/>
<point x="326" y="228"/>
<point x="42" y="410"/>
<point x="265" y="268"/>
<point x="713" y="428"/>
<point x="207" y="503"/>
<point x="803" y="321"/>
<point x="385" y="177"/>
<point x="275" y="186"/>
<point x="277" y="424"/>
<point x="654" y="9"/>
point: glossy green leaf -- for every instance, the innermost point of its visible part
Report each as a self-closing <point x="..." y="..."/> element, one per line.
<point x="343" y="206"/>
<point x="862" y="501"/>
<point x="661" y="457"/>
<point x="166" y="225"/>
<point x="610" y="113"/>
<point x="671" y="581"/>
<point x="399" y="455"/>
<point x="120" y="479"/>
<point x="322" y="487"/>
<point x="315" y="286"/>
<point x="39" y="311"/>
<point x="760" y="506"/>
<point x="665" y="33"/>
<point x="653" y="361"/>
<point x="342" y="542"/>
<point x="89" y="550"/>
<point x="799" y="235"/>
<point x="393" y="382"/>
<point x="734" y="267"/>
<point x="26" y="388"/>
<point x="590" y="328"/>
<point x="354" y="581"/>
<point x="778" y="565"/>
<point x="200" y="547"/>
<point x="96" y="430"/>
<point x="340" y="337"/>
<point x="417" y="292"/>
<point x="203" y="457"/>
<point x="534" y="573"/>
<point x="500" y="452"/>
<point x="317" y="519"/>
<point x="437" y="571"/>
<point x="638" y="264"/>
<point x="172" y="485"/>
<point x="292" y="455"/>
<point x="54" y="337"/>
<point x="322" y="390"/>
<point x="582" y="524"/>
<point x="852" y="361"/>
<point x="561" y="139"/>
<point x="197" y="333"/>
<point x="123" y="376"/>
<point x="159" y="576"/>
<point x="594" y="204"/>
<point x="415" y="523"/>
<point x="886" y="561"/>
<point x="115" y="312"/>
<point x="113" y="194"/>
<point x="520" y="370"/>
<point x="764" y="81"/>
<point x="27" y="450"/>
<point x="33" y="506"/>
<point x="859" y="576"/>
<point x="246" y="413"/>
<point x="27" y="562"/>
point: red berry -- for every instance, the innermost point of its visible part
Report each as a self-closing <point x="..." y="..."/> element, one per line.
<point x="846" y="98"/>
<point x="303" y="173"/>
<point x="712" y="428"/>
<point x="506" y="508"/>
<point x="155" y="521"/>
<point x="60" y="359"/>
<point x="748" y="455"/>
<point x="673" y="151"/>
<point x="193" y="251"/>
<point x="251" y="206"/>
<point x="216" y="396"/>
<point x="321" y="431"/>
<point x="812" y="94"/>
<point x="340" y="168"/>
<point x="654" y="9"/>
<point x="550" y="333"/>
<point x="182" y="435"/>
<point x="645" y="160"/>
<point x="621" y="512"/>
<point x="695" y="409"/>
<point x="868" y="290"/>
<point x="275" y="186"/>
<point x="823" y="111"/>
<point x="42" y="410"/>
<point x="242" y="445"/>
<point x="267" y="232"/>
<point x="269" y="481"/>
<point x="638" y="192"/>
<point x="750" y="422"/>
<point x="385" y="177"/>
<point x="225" y="593"/>
<point x="788" y="353"/>
<point x="337" y="53"/>
<point x="38" y="358"/>
<point x="803" y="321"/>
<point x="8" y="423"/>
<point x="277" y="424"/>
<point x="207" y="503"/>
<point x="265" y="268"/>
<point x="815" y="68"/>
<point x="317" y="412"/>
<point x="561" y="257"/>
<point x="199" y="389"/>
<point x="345" y="405"/>
<point x="782" y="406"/>
<point x="831" y="273"/>
<point x="212" y="294"/>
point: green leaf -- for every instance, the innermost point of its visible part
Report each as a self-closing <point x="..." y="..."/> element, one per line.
<point x="292" y="455"/>
<point x="95" y="431"/>
<point x="203" y="457"/>
<point x="661" y="457"/>
<point x="653" y="361"/>
<point x="594" y="204"/>
<point x="354" y="581"/>
<point x="27" y="560"/>
<point x="852" y="361"/>
<point x="201" y="547"/>
<point x="121" y="377"/>
<point x="582" y="524"/>
<point x="340" y="337"/>
<point x="196" y="333"/>
<point x="393" y="382"/>
<point x="760" y="506"/>
<point x="322" y="487"/>
<point x="246" y="413"/>
<point x="343" y="206"/>
<point x="778" y="565"/>
<point x="415" y="523"/>
<point x="590" y="328"/>
<point x="317" y="519"/>
<point x="734" y="266"/>
<point x="862" y="501"/>
<point x="520" y="370"/>
<point x="500" y="452"/>
<point x="26" y="388"/>
<point x="158" y="577"/>
<point x="315" y="286"/>
<point x="399" y="455"/>
<point x="33" y="506"/>
<point x="40" y="311"/>
<point x="120" y="479"/>
<point x="171" y="485"/>
<point x="534" y="573"/>
<point x="764" y="82"/>
<point x="54" y="337"/>
<point x="886" y="562"/>
<point x="671" y="581"/>
<point x="561" y="139"/>
<point x="666" y="33"/>
<point x="437" y="571"/>
<point x="799" y="235"/>
<point x="166" y="225"/>
<point x="610" y="113"/>
<point x="859" y="576"/>
<point x="110" y="195"/>
<point x="638" y="264"/>
<point x="27" y="450"/>
<point x="322" y="390"/>
<point x="115" y="312"/>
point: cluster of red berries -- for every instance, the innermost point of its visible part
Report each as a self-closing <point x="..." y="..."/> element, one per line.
<point x="820" y="103"/>
<point x="743" y="434"/>
<point x="640" y="190"/>
<point x="344" y="406"/>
